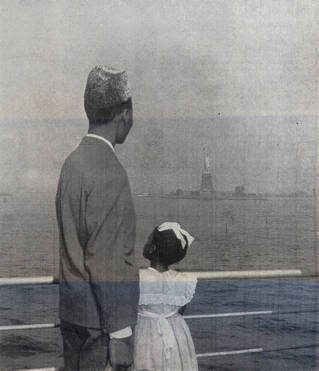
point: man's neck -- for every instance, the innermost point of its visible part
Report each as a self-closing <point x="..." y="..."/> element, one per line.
<point x="105" y="131"/>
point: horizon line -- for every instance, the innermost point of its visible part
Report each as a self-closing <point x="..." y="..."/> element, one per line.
<point x="212" y="117"/>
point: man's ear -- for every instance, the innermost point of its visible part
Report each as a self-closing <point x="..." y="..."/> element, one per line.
<point x="125" y="113"/>
<point x="128" y="115"/>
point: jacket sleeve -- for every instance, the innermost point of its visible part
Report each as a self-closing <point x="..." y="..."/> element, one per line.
<point x="113" y="279"/>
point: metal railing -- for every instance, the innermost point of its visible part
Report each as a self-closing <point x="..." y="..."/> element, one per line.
<point x="275" y="273"/>
<point x="254" y="274"/>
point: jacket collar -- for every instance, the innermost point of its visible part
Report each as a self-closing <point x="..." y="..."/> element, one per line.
<point x="101" y="138"/>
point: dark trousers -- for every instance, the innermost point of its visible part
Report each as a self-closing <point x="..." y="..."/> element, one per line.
<point x="84" y="349"/>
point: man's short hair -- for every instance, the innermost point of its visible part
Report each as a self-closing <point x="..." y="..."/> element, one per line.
<point x="104" y="115"/>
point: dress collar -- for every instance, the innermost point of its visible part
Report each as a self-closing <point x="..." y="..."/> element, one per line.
<point x="101" y="138"/>
<point x="155" y="270"/>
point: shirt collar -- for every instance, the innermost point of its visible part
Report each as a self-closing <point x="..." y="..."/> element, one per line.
<point x="101" y="138"/>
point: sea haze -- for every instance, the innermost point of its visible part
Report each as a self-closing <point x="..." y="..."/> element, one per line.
<point x="264" y="154"/>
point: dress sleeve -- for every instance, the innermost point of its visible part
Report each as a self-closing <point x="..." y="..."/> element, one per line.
<point x="190" y="282"/>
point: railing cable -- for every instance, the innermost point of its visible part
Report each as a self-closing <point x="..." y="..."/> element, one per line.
<point x="203" y="275"/>
<point x="188" y="317"/>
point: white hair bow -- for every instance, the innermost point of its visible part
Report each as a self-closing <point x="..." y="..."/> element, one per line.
<point x="180" y="233"/>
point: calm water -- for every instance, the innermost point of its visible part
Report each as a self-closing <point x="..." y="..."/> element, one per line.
<point x="229" y="234"/>
<point x="271" y="234"/>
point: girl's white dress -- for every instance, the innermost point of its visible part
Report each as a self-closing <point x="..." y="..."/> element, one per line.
<point x="162" y="338"/>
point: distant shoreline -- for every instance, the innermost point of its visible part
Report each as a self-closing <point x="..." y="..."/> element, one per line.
<point x="217" y="198"/>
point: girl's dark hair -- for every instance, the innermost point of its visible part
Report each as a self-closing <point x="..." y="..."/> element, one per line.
<point x="164" y="247"/>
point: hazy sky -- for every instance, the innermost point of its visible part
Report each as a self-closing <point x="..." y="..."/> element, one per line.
<point x="184" y="58"/>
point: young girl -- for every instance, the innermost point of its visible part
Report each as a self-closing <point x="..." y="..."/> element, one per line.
<point x="162" y="338"/>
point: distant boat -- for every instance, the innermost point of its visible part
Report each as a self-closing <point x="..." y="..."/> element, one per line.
<point x="4" y="196"/>
<point x="212" y="196"/>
